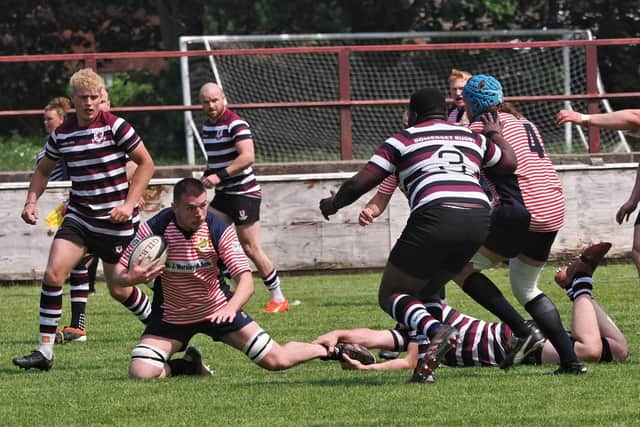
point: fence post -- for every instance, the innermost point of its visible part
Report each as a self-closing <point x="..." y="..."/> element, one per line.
<point x="90" y="62"/>
<point x="346" y="122"/>
<point x="592" y="89"/>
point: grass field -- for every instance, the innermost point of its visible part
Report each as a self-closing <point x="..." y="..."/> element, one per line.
<point x="88" y="384"/>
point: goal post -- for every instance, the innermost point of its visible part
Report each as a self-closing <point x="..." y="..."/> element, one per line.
<point x="305" y="83"/>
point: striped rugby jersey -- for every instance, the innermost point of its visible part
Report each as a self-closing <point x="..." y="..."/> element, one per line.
<point x="483" y="343"/>
<point x="59" y="172"/>
<point x="436" y="162"/>
<point x="536" y="183"/>
<point x="191" y="288"/>
<point x="220" y="140"/>
<point x="96" y="158"/>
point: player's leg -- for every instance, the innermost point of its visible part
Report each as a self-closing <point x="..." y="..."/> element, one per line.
<point x="249" y="237"/>
<point x="483" y="291"/>
<point x="610" y="332"/>
<point x="109" y="249"/>
<point x="151" y="355"/>
<point x="92" y="268"/>
<point x="80" y="281"/>
<point x="577" y="279"/>
<point x="524" y="272"/>
<point x="63" y="255"/>
<point x="244" y="212"/>
<point x="509" y="227"/>
<point x="132" y="297"/>
<point x="261" y="349"/>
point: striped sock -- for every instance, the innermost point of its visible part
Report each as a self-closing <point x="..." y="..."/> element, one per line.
<point x="435" y="309"/>
<point x="138" y="304"/>
<point x="582" y="285"/>
<point x="272" y="283"/>
<point x="411" y="312"/>
<point x="79" y="293"/>
<point x="423" y="343"/>
<point x="50" y="313"/>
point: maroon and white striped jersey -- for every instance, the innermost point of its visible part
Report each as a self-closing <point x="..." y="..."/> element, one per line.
<point x="96" y="158"/>
<point x="538" y="185"/>
<point x="220" y="140"/>
<point x="436" y="162"/>
<point x="483" y="343"/>
<point x="191" y="288"/>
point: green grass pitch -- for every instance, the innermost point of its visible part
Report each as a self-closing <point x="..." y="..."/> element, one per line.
<point x="88" y="384"/>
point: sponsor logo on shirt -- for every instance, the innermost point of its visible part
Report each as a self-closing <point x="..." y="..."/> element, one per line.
<point x="202" y="242"/>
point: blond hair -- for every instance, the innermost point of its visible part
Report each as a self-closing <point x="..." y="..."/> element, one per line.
<point x="59" y="104"/>
<point x="86" y="79"/>
<point x="458" y="74"/>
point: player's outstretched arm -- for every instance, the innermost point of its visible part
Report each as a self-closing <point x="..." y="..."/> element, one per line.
<point x="407" y="362"/>
<point x="364" y="336"/>
<point x="349" y="192"/>
<point x="615" y="120"/>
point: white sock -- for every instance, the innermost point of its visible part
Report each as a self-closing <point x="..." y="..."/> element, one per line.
<point x="277" y="295"/>
<point x="46" y="345"/>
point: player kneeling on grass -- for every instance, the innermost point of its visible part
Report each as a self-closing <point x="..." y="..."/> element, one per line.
<point x="189" y="297"/>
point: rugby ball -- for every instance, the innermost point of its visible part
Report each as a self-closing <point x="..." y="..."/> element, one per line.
<point x="150" y="249"/>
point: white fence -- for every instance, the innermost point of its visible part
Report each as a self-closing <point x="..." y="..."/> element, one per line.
<point x="296" y="236"/>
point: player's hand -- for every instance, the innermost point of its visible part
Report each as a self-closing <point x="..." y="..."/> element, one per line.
<point x="568" y="116"/>
<point x="226" y="314"/>
<point x="491" y="123"/>
<point x="349" y="363"/>
<point x="328" y="340"/>
<point x="327" y="206"/>
<point x="139" y="273"/>
<point x="141" y="203"/>
<point x="121" y="213"/>
<point x="210" y="181"/>
<point x="625" y="210"/>
<point x="30" y="213"/>
<point x="366" y="217"/>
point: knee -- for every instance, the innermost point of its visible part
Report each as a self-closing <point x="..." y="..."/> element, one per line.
<point x="53" y="276"/>
<point x="619" y="351"/>
<point x="524" y="281"/>
<point x="140" y="370"/>
<point x="591" y="352"/>
<point x="147" y="361"/>
<point x="118" y="292"/>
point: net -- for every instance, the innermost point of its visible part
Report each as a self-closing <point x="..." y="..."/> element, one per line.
<point x="314" y="133"/>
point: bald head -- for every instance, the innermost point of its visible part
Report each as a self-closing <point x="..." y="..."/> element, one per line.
<point x="213" y="101"/>
<point x="211" y="88"/>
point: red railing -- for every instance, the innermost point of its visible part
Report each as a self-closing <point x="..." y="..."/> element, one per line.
<point x="344" y="103"/>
